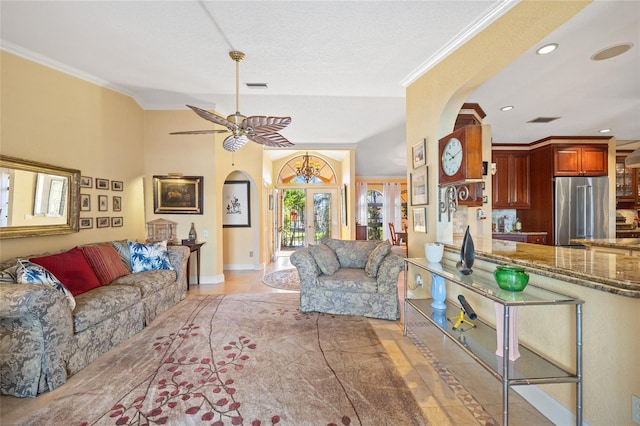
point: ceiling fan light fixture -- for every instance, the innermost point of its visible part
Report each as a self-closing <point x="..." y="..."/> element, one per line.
<point x="547" y="48"/>
<point x="506" y="108"/>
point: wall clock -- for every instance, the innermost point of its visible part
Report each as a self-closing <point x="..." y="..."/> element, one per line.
<point x="460" y="155"/>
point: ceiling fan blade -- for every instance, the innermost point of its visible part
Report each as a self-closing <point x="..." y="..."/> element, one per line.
<point x="233" y="143"/>
<point x="261" y="124"/>
<point x="271" y="139"/>
<point x="198" y="132"/>
<point x="212" y="117"/>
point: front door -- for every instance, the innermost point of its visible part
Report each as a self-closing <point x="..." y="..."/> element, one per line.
<point x="322" y="214"/>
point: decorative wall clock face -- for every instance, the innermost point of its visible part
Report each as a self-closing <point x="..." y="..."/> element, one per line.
<point x="452" y="155"/>
<point x="461" y="156"/>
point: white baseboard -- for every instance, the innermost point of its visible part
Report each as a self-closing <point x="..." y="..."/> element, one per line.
<point x="209" y="279"/>
<point x="243" y="267"/>
<point x="548" y="406"/>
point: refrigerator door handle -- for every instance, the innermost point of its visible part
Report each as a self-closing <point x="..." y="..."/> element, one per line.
<point x="582" y="203"/>
<point x="588" y="212"/>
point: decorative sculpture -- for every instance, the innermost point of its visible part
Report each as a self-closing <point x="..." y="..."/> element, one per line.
<point x="467" y="254"/>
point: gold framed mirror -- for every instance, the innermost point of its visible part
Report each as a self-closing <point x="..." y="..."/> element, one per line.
<point x="37" y="199"/>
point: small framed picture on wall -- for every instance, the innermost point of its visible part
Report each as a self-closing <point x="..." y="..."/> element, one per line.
<point x="103" y="203"/>
<point x="116" y="203"/>
<point x="102" y="183"/>
<point x="85" y="202"/>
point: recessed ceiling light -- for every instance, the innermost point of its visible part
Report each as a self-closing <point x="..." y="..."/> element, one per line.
<point x="604" y="130"/>
<point x="611" y="52"/>
<point x="506" y="108"/>
<point x="547" y="48"/>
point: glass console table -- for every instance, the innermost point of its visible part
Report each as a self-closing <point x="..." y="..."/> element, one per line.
<point x="480" y="342"/>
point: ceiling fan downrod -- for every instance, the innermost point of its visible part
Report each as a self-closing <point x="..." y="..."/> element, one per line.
<point x="237" y="56"/>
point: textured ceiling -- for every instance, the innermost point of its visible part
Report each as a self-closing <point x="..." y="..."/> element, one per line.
<point x="335" y="67"/>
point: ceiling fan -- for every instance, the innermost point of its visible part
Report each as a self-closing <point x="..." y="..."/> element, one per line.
<point x="260" y="129"/>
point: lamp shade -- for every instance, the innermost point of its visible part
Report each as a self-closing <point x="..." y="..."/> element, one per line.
<point x="633" y="159"/>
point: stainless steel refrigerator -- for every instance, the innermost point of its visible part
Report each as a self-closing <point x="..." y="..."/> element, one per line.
<point x="581" y="208"/>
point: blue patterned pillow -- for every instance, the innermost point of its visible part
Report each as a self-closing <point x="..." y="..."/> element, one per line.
<point x="325" y="258"/>
<point x="31" y="273"/>
<point x="149" y="257"/>
<point x="375" y="259"/>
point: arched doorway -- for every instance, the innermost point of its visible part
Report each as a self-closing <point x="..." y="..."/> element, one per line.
<point x="308" y="203"/>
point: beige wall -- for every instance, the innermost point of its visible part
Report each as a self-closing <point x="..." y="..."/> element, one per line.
<point x="434" y="99"/>
<point x="54" y="118"/>
<point x="610" y="354"/>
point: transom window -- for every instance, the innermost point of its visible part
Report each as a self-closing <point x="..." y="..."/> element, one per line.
<point x="289" y="174"/>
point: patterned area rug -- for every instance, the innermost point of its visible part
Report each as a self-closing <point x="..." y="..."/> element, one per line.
<point x="287" y="279"/>
<point x="246" y="359"/>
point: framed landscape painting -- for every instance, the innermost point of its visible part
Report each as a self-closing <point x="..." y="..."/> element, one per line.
<point x="178" y="194"/>
<point x="236" y="209"/>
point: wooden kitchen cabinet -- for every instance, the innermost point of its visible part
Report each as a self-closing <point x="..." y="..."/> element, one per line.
<point x="510" y="184"/>
<point x="581" y="160"/>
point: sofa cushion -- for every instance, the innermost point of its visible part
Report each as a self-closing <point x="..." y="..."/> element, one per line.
<point x="325" y="258"/>
<point x="105" y="262"/>
<point x="102" y="303"/>
<point x="71" y="268"/>
<point x="352" y="253"/>
<point x="32" y="273"/>
<point x="148" y="257"/>
<point x="9" y="275"/>
<point x="348" y="280"/>
<point x="375" y="258"/>
<point x="148" y="282"/>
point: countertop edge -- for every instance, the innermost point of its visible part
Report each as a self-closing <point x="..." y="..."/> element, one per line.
<point x="619" y="288"/>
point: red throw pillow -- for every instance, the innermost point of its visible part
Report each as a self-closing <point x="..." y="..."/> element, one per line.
<point x="105" y="262"/>
<point x="72" y="269"/>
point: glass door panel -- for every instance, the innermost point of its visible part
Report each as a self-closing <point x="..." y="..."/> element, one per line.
<point x="322" y="214"/>
<point x="292" y="223"/>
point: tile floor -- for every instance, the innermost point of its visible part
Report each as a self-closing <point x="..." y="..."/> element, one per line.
<point x="449" y="386"/>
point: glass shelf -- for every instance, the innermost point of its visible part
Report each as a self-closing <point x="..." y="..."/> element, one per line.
<point x="483" y="283"/>
<point x="481" y="341"/>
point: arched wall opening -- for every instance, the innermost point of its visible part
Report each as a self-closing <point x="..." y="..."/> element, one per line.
<point x="240" y="206"/>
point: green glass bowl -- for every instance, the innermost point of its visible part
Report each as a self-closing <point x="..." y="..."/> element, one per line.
<point x="511" y="278"/>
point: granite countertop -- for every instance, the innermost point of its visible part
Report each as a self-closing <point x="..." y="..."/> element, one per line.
<point x="612" y="273"/>
<point x="616" y="243"/>
<point x="519" y="233"/>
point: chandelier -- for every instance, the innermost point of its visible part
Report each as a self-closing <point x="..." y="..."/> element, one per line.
<point x="308" y="170"/>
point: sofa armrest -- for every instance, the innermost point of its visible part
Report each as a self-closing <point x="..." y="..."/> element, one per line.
<point x="388" y="273"/>
<point x="306" y="265"/>
<point x="36" y="331"/>
<point x="179" y="257"/>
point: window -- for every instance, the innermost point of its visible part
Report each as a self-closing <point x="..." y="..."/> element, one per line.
<point x="288" y="173"/>
<point x="375" y="201"/>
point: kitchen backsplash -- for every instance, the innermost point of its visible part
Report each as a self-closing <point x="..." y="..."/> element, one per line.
<point x="629" y="215"/>
<point x="498" y="214"/>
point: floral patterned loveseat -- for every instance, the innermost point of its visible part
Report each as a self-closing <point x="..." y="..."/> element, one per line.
<point x="47" y="333"/>
<point x="351" y="277"/>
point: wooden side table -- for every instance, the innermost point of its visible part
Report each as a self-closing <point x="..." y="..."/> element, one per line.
<point x="195" y="248"/>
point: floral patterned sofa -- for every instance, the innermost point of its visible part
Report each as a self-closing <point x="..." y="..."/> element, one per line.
<point x="349" y="277"/>
<point x="47" y="333"/>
